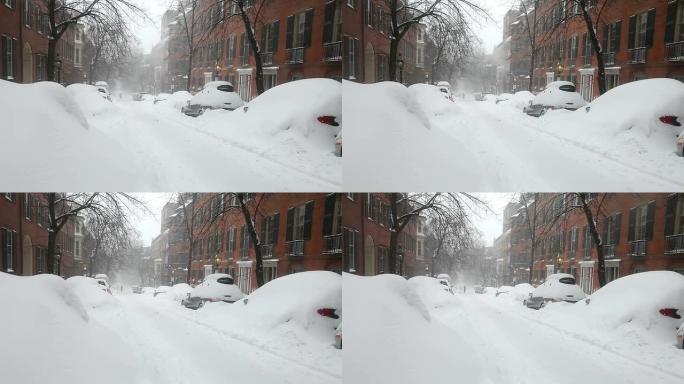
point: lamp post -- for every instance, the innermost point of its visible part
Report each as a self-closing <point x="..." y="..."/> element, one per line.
<point x="217" y="263"/>
<point x="58" y="65"/>
<point x="400" y="63"/>
<point x="58" y="260"/>
<point x="218" y="69"/>
<point x="560" y="70"/>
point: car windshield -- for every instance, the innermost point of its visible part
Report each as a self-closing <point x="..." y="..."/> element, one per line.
<point x="567" y="280"/>
<point x="567" y="88"/>
<point x="101" y="282"/>
<point x="225" y="88"/>
<point x="225" y="280"/>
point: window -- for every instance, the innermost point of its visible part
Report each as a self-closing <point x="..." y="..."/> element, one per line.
<point x="270" y="80"/>
<point x="679" y="24"/>
<point x="382" y="257"/>
<point x="9" y="46"/>
<point x="611" y="37"/>
<point x="40" y="266"/>
<point x="231" y="241"/>
<point x="332" y="22"/>
<point x="641" y="220"/>
<point x="27" y="14"/>
<point x="369" y="13"/>
<point x="419" y="57"/>
<point x="352" y="47"/>
<point x="231" y="48"/>
<point x="612" y="272"/>
<point x="332" y="218"/>
<point x="573" y="241"/>
<point x="41" y="68"/>
<point x="244" y="242"/>
<point x="381" y="67"/>
<point x="8" y="238"/>
<point x="269" y="37"/>
<point x="299" y="222"/>
<point x="351" y="3"/>
<point x="641" y="27"/>
<point x="573" y="49"/>
<point x="9" y="3"/>
<point x="612" y="80"/>
<point x="674" y="216"/>
<point x="299" y="29"/>
<point x="269" y="229"/>
<point x="611" y="229"/>
<point x="352" y="236"/>
<point x="270" y="273"/>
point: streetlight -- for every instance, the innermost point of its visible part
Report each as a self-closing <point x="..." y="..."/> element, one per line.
<point x="560" y="70"/>
<point x="217" y="263"/>
<point x="58" y="259"/>
<point x="58" y="65"/>
<point x="218" y="69"/>
<point x="400" y="63"/>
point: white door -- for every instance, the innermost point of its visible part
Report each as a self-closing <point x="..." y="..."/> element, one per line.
<point x="245" y="278"/>
<point x="207" y="77"/>
<point x="208" y="269"/>
<point x="245" y="86"/>
<point x="549" y="270"/>
<point x="587" y="87"/>
<point x="549" y="77"/>
<point x="587" y="279"/>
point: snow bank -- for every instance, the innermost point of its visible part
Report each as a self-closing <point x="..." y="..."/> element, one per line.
<point x="45" y="321"/>
<point x="52" y="124"/>
<point x="176" y="293"/>
<point x="90" y="99"/>
<point x="519" y="100"/>
<point x="430" y="291"/>
<point x="387" y="326"/>
<point x="521" y="292"/>
<point x="429" y="101"/>
<point x="90" y="292"/>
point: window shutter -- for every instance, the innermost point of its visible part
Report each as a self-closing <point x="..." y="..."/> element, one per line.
<point x="650" y="220"/>
<point x="632" y="223"/>
<point x="274" y="35"/>
<point x="276" y="225"/>
<point x="670" y="22"/>
<point x="604" y="42"/>
<point x="262" y="42"/>
<point x="308" y="23"/>
<point x="617" y="36"/>
<point x="290" y="224"/>
<point x="308" y="217"/>
<point x="604" y="235"/>
<point x="617" y="225"/>
<point x="584" y="45"/>
<point x="328" y="23"/>
<point x="650" y="27"/>
<point x="328" y="216"/>
<point x="632" y="32"/>
<point x="242" y="45"/>
<point x="3" y="56"/>
<point x="290" y="31"/>
<point x="262" y="236"/>
<point x="3" y="246"/>
<point x="346" y="62"/>
<point x="670" y="214"/>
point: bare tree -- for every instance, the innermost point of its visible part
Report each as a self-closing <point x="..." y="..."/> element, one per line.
<point x="587" y="202"/>
<point x="450" y="46"/>
<point x="187" y="204"/>
<point x="62" y="207"/>
<point x="405" y="14"/>
<point x="250" y="217"/>
<point x="405" y="207"/>
<point x="109" y="232"/>
<point x="187" y="10"/>
<point x="64" y="14"/>
<point x="111" y="45"/>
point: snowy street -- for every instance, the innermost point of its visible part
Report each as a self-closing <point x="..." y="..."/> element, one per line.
<point x="484" y="145"/>
<point x="521" y="347"/>
<point x="173" y="346"/>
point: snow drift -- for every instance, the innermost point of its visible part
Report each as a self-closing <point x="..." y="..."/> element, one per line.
<point x="46" y="321"/>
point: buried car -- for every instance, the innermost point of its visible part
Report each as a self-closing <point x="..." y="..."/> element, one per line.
<point x="214" y="95"/>
<point x="214" y="287"/>
<point x="559" y="287"/>
<point x="537" y="302"/>
<point x="556" y="95"/>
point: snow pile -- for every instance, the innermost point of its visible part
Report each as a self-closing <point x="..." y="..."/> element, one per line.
<point x="554" y="289"/>
<point x="90" y="292"/>
<point x="215" y="290"/>
<point x="45" y="120"/>
<point x="519" y="100"/>
<point x="635" y="301"/>
<point x="211" y="96"/>
<point x="283" y="313"/>
<point x="520" y="292"/>
<point x="90" y="99"/>
<point x="428" y="100"/>
<point x="430" y="291"/>
<point x="45" y="321"/>
<point x="391" y="338"/>
<point x="176" y="293"/>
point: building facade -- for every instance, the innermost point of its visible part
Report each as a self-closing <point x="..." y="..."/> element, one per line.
<point x="24" y="45"/>
<point x="640" y="39"/>
<point x="365" y="222"/>
<point x="24" y="237"/>
<point x="639" y="232"/>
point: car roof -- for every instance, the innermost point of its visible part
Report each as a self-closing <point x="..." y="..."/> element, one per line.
<point x="557" y="84"/>
<point x="216" y="84"/>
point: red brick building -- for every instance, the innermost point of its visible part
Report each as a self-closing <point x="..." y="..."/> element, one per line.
<point x="367" y="44"/>
<point x="639" y="232"/>
<point x="24" y="44"/>
<point x="298" y="39"/>
<point x="640" y="38"/>
<point x="297" y="231"/>
<point x="365" y="222"/>
<point x="24" y="236"/>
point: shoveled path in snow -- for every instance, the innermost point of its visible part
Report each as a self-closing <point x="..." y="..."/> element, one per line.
<point x="510" y="151"/>
<point x="172" y="348"/>
<point x="520" y="350"/>
<point x="178" y="155"/>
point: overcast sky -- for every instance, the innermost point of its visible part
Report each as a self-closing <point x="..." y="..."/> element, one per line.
<point x="149" y="224"/>
<point x="489" y="31"/>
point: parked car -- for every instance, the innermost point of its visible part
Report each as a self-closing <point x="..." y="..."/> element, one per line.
<point x="161" y="289"/>
<point x="680" y="336"/>
<point x="446" y="92"/>
<point x="479" y="289"/>
<point x="338" y="336"/>
<point x="680" y="144"/>
<point x="139" y="96"/>
<point x="103" y="281"/>
<point x="103" y="88"/>
<point x="214" y="95"/>
<point x="559" y="287"/>
<point x="533" y="302"/>
<point x="479" y="96"/>
<point x="136" y="289"/>
<point x="214" y="287"/>
<point x="504" y="289"/>
<point x="503" y="97"/>
<point x="556" y="95"/>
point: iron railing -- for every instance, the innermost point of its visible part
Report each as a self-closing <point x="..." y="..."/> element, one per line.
<point x="637" y="248"/>
<point x="295" y="55"/>
<point x="332" y="51"/>
<point x="637" y="55"/>
<point x="267" y="58"/>
<point x="295" y="248"/>
<point x="675" y="51"/>
<point x="609" y="58"/>
<point x="674" y="244"/>
<point x="609" y="251"/>
<point x="333" y="244"/>
<point x="267" y="251"/>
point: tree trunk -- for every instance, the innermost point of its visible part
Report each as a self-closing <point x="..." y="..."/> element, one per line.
<point x="52" y="53"/>
<point x="256" y="242"/>
<point x="395" y="228"/>
<point x="394" y="49"/>
<point x="596" y="239"/>
<point x="190" y="228"/>
<point x="596" y="47"/>
<point x="259" y="76"/>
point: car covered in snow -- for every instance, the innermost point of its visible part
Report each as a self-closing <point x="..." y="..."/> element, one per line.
<point x="215" y="287"/>
<point x="479" y="289"/>
<point x="650" y="103"/>
<point x="445" y="282"/>
<point x="310" y="107"/>
<point x="556" y="95"/>
<point x="444" y="88"/>
<point x="161" y="289"/>
<point x="559" y="287"/>
<point x="537" y="302"/>
<point x="214" y="95"/>
<point x="137" y="289"/>
<point x="103" y="88"/>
